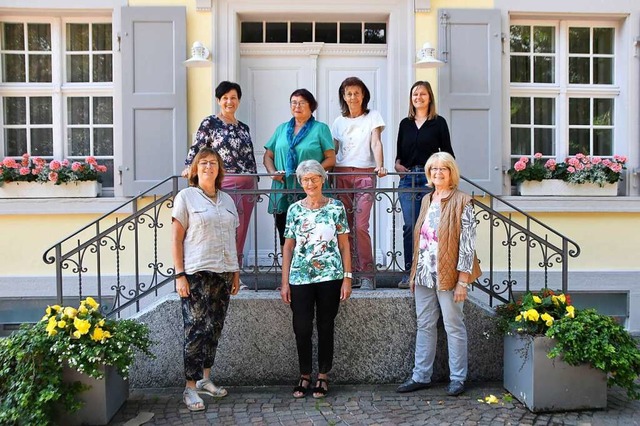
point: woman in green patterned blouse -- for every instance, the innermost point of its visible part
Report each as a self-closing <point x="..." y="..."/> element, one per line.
<point x="316" y="272"/>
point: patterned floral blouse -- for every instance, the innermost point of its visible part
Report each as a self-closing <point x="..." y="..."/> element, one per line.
<point x="427" y="268"/>
<point x="231" y="141"/>
<point x="316" y="256"/>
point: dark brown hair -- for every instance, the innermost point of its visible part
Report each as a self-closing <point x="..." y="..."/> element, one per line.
<point x="431" y="110"/>
<point x="353" y="81"/>
<point x="307" y="96"/>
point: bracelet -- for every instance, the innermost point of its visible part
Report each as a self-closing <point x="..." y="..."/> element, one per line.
<point x="180" y="274"/>
<point x="348" y="275"/>
<point x="463" y="284"/>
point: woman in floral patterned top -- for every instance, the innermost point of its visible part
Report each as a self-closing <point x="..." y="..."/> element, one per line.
<point x="232" y="140"/>
<point x="316" y="272"/>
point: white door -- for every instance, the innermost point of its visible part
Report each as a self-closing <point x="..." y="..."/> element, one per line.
<point x="267" y="80"/>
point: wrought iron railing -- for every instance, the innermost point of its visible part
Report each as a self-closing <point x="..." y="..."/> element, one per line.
<point x="124" y="257"/>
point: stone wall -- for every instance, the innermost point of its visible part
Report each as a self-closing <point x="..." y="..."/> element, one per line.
<point x="374" y="342"/>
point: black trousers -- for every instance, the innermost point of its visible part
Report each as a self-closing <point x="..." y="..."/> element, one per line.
<point x="324" y="299"/>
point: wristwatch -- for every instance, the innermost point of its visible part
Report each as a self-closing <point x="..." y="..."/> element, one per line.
<point x="463" y="284"/>
<point x="348" y="275"/>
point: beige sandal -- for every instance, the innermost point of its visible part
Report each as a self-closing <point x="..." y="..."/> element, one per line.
<point x="206" y="386"/>
<point x="192" y="400"/>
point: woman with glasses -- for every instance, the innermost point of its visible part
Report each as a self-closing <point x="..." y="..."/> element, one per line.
<point x="420" y="135"/>
<point x="443" y="268"/>
<point x="316" y="272"/>
<point x="231" y="138"/>
<point x="359" y="158"/>
<point x="204" y="221"/>
<point x="299" y="139"/>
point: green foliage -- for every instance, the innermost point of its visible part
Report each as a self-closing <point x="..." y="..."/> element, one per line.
<point x="597" y="339"/>
<point x="534" y="313"/>
<point x="32" y="360"/>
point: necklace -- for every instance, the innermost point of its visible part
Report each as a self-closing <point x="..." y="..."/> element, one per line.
<point x="308" y="204"/>
<point x="227" y="120"/>
<point x="212" y="196"/>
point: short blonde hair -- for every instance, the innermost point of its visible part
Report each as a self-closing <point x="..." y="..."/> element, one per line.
<point x="447" y="161"/>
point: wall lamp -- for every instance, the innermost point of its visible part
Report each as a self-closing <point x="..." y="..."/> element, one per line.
<point x="199" y="56"/>
<point x="427" y="58"/>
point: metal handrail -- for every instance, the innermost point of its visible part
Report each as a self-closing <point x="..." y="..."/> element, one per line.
<point x="105" y="256"/>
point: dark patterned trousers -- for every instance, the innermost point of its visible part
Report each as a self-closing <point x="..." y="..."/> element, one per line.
<point x="203" y="313"/>
<point x="324" y="299"/>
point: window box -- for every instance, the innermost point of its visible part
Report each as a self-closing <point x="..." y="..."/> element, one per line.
<point x="555" y="187"/>
<point x="84" y="189"/>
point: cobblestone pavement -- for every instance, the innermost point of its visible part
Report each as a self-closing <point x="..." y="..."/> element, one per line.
<point x="365" y="405"/>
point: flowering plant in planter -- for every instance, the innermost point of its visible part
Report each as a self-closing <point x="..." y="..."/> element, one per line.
<point x="32" y="359"/>
<point x="580" y="336"/>
<point x="36" y="169"/>
<point x="578" y="169"/>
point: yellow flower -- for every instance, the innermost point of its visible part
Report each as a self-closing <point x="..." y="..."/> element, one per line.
<point x="76" y="334"/>
<point x="555" y="301"/>
<point x="548" y="319"/>
<point x="101" y="323"/>
<point x="83" y="309"/>
<point x="537" y="299"/>
<point x="562" y="298"/>
<point x="91" y="302"/>
<point x="571" y="312"/>
<point x="106" y="334"/>
<point x="45" y="318"/>
<point x="97" y="334"/>
<point x="70" y="312"/>
<point x="48" y="310"/>
<point x="519" y="318"/>
<point x="491" y="399"/>
<point x="532" y="315"/>
<point x="82" y="326"/>
<point x="51" y="326"/>
<point x="62" y="324"/>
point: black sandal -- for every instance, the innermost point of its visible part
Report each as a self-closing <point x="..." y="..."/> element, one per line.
<point x="302" y="389"/>
<point x="319" y="391"/>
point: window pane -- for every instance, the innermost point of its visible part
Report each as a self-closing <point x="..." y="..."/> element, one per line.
<point x="579" y="70"/>
<point x="107" y="177"/>
<point x="251" y="32"/>
<point x="40" y="68"/>
<point x="603" y="41"/>
<point x="544" y="111"/>
<point x="520" y="69"/>
<point x="603" y="112"/>
<point x="578" y="141"/>
<point x="101" y="37"/>
<point x="13" y="68"/>
<point x="78" y="142"/>
<point x="544" y="40"/>
<point x="12" y="37"/>
<point x="327" y="32"/>
<point x="40" y="110"/>
<point x="103" y="141"/>
<point x="276" y="32"/>
<point x="102" y="68"/>
<point x="520" y="111"/>
<point x="520" y="38"/>
<point x="603" y="142"/>
<point x="375" y="33"/>
<point x="543" y="69"/>
<point x="578" y="40"/>
<point x="77" y="68"/>
<point x="78" y="110"/>
<point x="579" y="111"/>
<point x="103" y="110"/>
<point x="77" y="37"/>
<point x="350" y="32"/>
<point x="602" y="70"/>
<point x="42" y="142"/>
<point x="15" y="111"/>
<point x="520" y="141"/>
<point x="39" y="37"/>
<point x="15" y="142"/>
<point x="544" y="141"/>
<point x="301" y="32"/>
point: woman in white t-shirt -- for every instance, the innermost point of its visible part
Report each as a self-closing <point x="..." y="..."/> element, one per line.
<point x="359" y="159"/>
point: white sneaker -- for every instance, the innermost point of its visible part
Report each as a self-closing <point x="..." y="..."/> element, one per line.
<point x="366" y="284"/>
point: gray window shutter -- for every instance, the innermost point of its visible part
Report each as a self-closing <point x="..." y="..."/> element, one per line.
<point x="154" y="95"/>
<point x="470" y="92"/>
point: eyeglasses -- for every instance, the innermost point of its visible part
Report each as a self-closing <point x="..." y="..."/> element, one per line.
<point x="208" y="163"/>
<point x="298" y="103"/>
<point x="313" y="180"/>
<point x="439" y="169"/>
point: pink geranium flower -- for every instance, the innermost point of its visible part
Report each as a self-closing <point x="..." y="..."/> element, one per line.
<point x="10" y="163"/>
<point x="76" y="166"/>
<point x="550" y="164"/>
<point x="101" y="168"/>
<point x="55" y="165"/>
<point x="537" y="155"/>
<point x="92" y="161"/>
<point x="24" y="171"/>
<point x="571" y="169"/>
<point x="520" y="166"/>
<point x="53" y="177"/>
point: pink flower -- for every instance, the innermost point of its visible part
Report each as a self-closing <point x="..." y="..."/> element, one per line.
<point x="24" y="171"/>
<point x="571" y="169"/>
<point x="65" y="163"/>
<point x="91" y="160"/>
<point x="25" y="160"/>
<point x="606" y="162"/>
<point x="537" y="155"/>
<point x="10" y="163"/>
<point x="520" y="166"/>
<point x="525" y="160"/>
<point x="579" y="156"/>
<point x="55" y="165"/>
<point x="39" y="161"/>
<point x="550" y="164"/>
<point x="596" y="160"/>
<point x="620" y="158"/>
<point x="76" y="166"/>
<point x="100" y="168"/>
<point x="616" y="167"/>
<point x="573" y="161"/>
<point x="579" y="166"/>
<point x="588" y="166"/>
<point x="35" y="172"/>
<point x="53" y="177"/>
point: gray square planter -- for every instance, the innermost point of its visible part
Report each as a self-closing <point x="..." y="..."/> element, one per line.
<point x="544" y="384"/>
